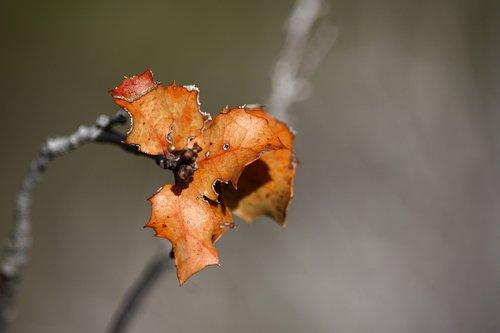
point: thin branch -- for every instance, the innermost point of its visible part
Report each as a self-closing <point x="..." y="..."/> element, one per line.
<point x="17" y="252"/>
<point x="302" y="52"/>
<point x="129" y="306"/>
<point x="321" y="42"/>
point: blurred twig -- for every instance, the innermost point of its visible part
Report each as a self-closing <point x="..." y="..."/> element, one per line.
<point x="17" y="252"/>
<point x="138" y="291"/>
<point x="309" y="37"/>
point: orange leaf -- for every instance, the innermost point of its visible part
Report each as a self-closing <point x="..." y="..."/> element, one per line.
<point x="164" y="119"/>
<point x="266" y="186"/>
<point x="191" y="214"/>
<point x="233" y="140"/>
<point x="191" y="224"/>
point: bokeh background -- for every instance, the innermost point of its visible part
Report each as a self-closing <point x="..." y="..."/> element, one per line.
<point x="395" y="223"/>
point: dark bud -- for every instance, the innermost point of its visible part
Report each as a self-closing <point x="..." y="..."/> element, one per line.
<point x="162" y="162"/>
<point x="185" y="172"/>
<point x="167" y="162"/>
<point x="188" y="155"/>
<point x="196" y="148"/>
<point x="185" y="165"/>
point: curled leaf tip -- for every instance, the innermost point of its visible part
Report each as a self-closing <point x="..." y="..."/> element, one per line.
<point x="134" y="87"/>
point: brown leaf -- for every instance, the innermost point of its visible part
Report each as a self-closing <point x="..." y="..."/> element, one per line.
<point x="266" y="186"/>
<point x="234" y="139"/>
<point x="163" y="119"/>
<point x="192" y="224"/>
<point x="191" y="214"/>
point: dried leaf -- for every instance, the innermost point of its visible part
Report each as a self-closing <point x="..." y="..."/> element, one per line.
<point x="191" y="224"/>
<point x="234" y="139"/>
<point x="163" y="119"/>
<point x="266" y="186"/>
<point x="191" y="214"/>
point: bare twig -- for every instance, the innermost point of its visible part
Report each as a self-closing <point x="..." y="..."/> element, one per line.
<point x="18" y="247"/>
<point x="128" y="308"/>
<point x="303" y="50"/>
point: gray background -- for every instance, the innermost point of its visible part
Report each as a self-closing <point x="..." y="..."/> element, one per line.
<point x="394" y="226"/>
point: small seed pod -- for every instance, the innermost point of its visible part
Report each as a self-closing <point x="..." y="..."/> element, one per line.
<point x="184" y="173"/>
<point x="196" y="148"/>
<point x="188" y="155"/>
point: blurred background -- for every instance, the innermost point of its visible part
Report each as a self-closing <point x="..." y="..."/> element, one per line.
<point x="395" y="222"/>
